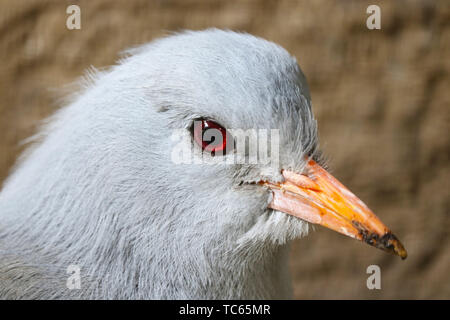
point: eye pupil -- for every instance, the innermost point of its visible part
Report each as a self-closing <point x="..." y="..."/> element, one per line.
<point x="210" y="136"/>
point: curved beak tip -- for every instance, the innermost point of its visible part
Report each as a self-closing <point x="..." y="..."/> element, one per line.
<point x="388" y="242"/>
<point x="397" y="247"/>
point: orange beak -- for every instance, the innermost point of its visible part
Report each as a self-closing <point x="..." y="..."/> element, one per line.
<point x="319" y="198"/>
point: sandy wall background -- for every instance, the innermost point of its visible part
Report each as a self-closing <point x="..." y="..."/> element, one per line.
<point x="381" y="98"/>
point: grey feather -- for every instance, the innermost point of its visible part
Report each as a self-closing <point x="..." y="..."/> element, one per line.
<point x="98" y="188"/>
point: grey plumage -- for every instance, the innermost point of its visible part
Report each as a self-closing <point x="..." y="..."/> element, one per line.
<point x="98" y="188"/>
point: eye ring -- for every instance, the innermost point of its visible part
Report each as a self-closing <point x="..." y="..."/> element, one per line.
<point x="210" y="136"/>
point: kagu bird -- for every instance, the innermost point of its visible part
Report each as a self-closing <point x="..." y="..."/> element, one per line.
<point x="99" y="188"/>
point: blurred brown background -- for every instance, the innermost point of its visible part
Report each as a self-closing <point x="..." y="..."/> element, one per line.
<point x="381" y="98"/>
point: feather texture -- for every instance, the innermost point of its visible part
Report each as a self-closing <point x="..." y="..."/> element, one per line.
<point x="98" y="188"/>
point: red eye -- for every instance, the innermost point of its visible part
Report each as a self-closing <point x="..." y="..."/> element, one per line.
<point x="211" y="136"/>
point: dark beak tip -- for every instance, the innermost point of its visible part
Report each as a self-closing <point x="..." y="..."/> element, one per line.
<point x="397" y="247"/>
<point x="388" y="242"/>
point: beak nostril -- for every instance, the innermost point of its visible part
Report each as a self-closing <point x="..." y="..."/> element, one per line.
<point x="300" y="180"/>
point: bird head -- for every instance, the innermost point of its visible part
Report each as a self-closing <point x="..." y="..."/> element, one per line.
<point x="198" y="141"/>
<point x="181" y="172"/>
<point x="219" y="126"/>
